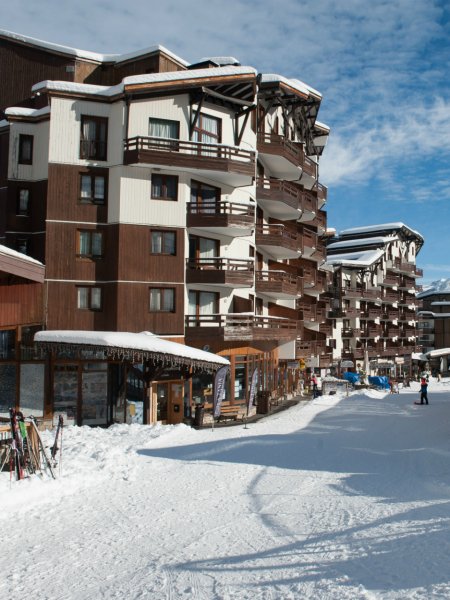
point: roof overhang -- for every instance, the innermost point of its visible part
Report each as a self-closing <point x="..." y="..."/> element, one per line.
<point x="18" y="265"/>
<point x="136" y="347"/>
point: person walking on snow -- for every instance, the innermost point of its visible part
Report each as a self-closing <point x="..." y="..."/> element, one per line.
<point x="423" y="391"/>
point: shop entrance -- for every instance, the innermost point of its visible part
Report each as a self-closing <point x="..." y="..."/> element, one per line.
<point x="169" y="402"/>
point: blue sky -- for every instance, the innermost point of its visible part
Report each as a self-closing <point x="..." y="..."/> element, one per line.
<point x="382" y="67"/>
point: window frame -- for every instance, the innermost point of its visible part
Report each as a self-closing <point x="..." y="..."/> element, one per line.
<point x="23" y="138"/>
<point x="164" y="233"/>
<point x="89" y="289"/>
<point x="163" y="291"/>
<point x="89" y="255"/>
<point x="200" y="131"/>
<point x="20" y="212"/>
<point x="97" y="155"/>
<point x="165" y="176"/>
<point x="92" y="200"/>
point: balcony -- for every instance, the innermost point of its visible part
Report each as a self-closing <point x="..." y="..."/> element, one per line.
<point x="229" y="272"/>
<point x="222" y="218"/>
<point x="390" y="281"/>
<point x="326" y="329"/>
<point x="309" y="206"/>
<point x="371" y="313"/>
<point x="322" y="192"/>
<point x="405" y="268"/>
<point x="320" y="221"/>
<point x="351" y="332"/>
<point x="390" y="297"/>
<point x="228" y="165"/>
<point x="278" y="241"/>
<point x="277" y="284"/>
<point x="280" y="199"/>
<point x="309" y="169"/>
<point x="390" y="315"/>
<point x="309" y="241"/>
<point x="279" y="156"/>
<point x="239" y="327"/>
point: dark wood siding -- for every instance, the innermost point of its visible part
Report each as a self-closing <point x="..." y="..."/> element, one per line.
<point x="137" y="264"/>
<point x="21" y="304"/>
<point x="64" y="192"/>
<point x="21" y="67"/>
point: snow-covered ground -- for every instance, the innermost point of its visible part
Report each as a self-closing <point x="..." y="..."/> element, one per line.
<point x="339" y="498"/>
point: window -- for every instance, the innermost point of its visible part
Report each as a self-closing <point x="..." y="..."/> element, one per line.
<point x="200" y="247"/>
<point x="164" y="187"/>
<point x="89" y="298"/>
<point x="90" y="244"/>
<point x="163" y="242"/>
<point x="7" y="344"/>
<point x="204" y="198"/>
<point x="207" y="131"/>
<point x="22" y="245"/>
<point x="92" y="188"/>
<point x="164" y="129"/>
<point x="93" y="137"/>
<point x="25" y="149"/>
<point x="203" y="303"/>
<point x="23" y="202"/>
<point x="162" y="300"/>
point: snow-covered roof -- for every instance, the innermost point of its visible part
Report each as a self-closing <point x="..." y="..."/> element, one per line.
<point x="20" y="111"/>
<point x="220" y="60"/>
<point x="298" y="85"/>
<point x="5" y="251"/>
<point x="361" y="242"/>
<point x="145" y="344"/>
<point x="78" y="88"/>
<point x="355" y="259"/>
<point x="85" y="54"/>
<point x="379" y="227"/>
<point x="110" y="91"/>
<point x="320" y="125"/>
<point x="442" y="286"/>
<point x="438" y="352"/>
<point x="192" y="74"/>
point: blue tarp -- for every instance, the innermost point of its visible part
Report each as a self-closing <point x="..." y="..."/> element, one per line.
<point x="381" y="381"/>
<point x="351" y="377"/>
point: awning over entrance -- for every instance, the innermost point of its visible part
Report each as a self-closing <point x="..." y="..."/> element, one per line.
<point x="437" y="353"/>
<point x="135" y="347"/>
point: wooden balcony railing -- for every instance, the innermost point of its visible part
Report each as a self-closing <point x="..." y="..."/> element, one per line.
<point x="220" y="271"/>
<point x="276" y="282"/>
<point x="280" y="191"/>
<point x="176" y="152"/>
<point x="276" y="235"/>
<point x="240" y="327"/>
<point x="273" y="143"/>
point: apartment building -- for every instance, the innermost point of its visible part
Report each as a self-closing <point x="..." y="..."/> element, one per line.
<point x="374" y="296"/>
<point x="434" y="323"/>
<point x="182" y="200"/>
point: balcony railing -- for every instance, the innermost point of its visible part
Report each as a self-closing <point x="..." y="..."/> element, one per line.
<point x="220" y="271"/>
<point x="279" y="237"/>
<point x="273" y="143"/>
<point x="230" y="215"/>
<point x="239" y="327"/>
<point x="276" y="282"/>
<point x="189" y="154"/>
<point x="272" y="192"/>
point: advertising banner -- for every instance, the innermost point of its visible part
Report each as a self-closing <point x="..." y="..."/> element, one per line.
<point x="219" y="389"/>
<point x="251" y="396"/>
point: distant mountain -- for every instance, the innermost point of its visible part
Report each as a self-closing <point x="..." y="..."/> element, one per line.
<point x="441" y="285"/>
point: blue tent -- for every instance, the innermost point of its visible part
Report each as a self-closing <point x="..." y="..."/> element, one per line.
<point x="381" y="382"/>
<point x="351" y="377"/>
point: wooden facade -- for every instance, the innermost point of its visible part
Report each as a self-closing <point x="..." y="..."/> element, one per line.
<point x="209" y="231"/>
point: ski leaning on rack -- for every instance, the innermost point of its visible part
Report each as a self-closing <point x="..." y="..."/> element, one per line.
<point x="54" y="449"/>
<point x="16" y="445"/>
<point x="45" y="459"/>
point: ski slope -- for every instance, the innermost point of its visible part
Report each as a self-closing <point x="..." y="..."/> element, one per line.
<point x="338" y="498"/>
